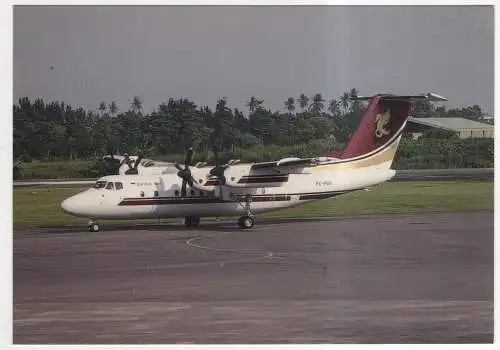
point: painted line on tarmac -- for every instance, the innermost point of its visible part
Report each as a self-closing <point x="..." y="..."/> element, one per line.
<point x="190" y="242"/>
<point x="284" y="256"/>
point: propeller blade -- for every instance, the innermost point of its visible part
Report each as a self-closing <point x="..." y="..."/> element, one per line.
<point x="218" y="170"/>
<point x="178" y="167"/>
<point x="127" y="160"/>
<point x="137" y="162"/>
<point x="189" y="157"/>
<point x="183" y="189"/>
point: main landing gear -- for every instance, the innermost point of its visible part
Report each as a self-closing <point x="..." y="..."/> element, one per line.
<point x="247" y="221"/>
<point x="192" y="221"/>
<point x="93" y="226"/>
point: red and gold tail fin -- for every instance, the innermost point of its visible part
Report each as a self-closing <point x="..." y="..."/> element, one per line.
<point x="382" y="123"/>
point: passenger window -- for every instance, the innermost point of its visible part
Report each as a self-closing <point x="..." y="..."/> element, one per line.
<point x="192" y="192"/>
<point x="176" y="193"/>
<point x="156" y="193"/>
<point x="142" y="193"/>
<point x="109" y="186"/>
<point x="118" y="185"/>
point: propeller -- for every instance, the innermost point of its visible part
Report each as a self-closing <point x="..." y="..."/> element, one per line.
<point x="132" y="170"/>
<point x="126" y="160"/>
<point x="218" y="170"/>
<point x="185" y="173"/>
<point x="112" y="164"/>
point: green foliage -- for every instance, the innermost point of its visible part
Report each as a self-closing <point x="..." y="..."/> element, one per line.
<point x="308" y="126"/>
<point x="439" y="134"/>
<point x="445" y="153"/>
<point x="50" y="131"/>
<point x="412" y="154"/>
<point x="57" y="169"/>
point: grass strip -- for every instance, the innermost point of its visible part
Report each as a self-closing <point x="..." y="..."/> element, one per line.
<point x="40" y="207"/>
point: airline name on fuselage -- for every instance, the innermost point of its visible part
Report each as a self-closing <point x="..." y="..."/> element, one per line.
<point x="323" y="183"/>
<point x="144" y="183"/>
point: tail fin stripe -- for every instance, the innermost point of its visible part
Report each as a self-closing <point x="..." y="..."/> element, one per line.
<point x="372" y="153"/>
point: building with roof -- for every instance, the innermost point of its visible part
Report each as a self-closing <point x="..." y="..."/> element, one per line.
<point x="463" y="128"/>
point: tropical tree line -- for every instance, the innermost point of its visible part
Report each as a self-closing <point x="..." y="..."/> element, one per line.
<point x="58" y="131"/>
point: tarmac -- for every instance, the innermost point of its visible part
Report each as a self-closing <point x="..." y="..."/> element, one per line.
<point x="416" y="278"/>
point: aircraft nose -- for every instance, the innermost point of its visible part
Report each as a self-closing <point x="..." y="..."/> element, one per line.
<point x="70" y="205"/>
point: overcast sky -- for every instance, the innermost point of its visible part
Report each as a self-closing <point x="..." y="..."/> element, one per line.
<point x="156" y="52"/>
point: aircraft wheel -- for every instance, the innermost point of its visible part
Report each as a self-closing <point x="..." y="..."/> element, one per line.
<point x="188" y="221"/>
<point x="94" y="227"/>
<point x="246" y="222"/>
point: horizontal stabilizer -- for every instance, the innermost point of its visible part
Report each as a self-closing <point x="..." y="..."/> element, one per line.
<point x="114" y="156"/>
<point x="389" y="97"/>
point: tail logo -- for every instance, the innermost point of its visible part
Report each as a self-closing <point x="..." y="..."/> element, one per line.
<point x="382" y="120"/>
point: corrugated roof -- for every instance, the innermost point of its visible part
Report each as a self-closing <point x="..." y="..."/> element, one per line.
<point x="454" y="124"/>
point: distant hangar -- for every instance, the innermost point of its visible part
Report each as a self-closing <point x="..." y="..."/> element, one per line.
<point x="463" y="128"/>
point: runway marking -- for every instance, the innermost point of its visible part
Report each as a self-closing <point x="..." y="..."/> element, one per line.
<point x="190" y="243"/>
<point x="270" y="255"/>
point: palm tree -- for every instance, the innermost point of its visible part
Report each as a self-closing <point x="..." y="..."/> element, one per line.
<point x="303" y="101"/>
<point x="253" y="104"/>
<point x="102" y="107"/>
<point x="290" y="104"/>
<point x="113" y="108"/>
<point x="345" y="101"/>
<point x="317" y="104"/>
<point x="334" y="107"/>
<point x="137" y="104"/>
<point x="221" y="104"/>
<point x="353" y="92"/>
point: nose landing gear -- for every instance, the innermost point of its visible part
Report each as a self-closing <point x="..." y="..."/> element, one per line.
<point x="93" y="226"/>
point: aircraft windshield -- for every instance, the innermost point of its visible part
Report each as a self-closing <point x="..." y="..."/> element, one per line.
<point x="100" y="184"/>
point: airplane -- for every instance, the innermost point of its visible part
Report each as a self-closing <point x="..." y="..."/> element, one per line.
<point x="247" y="189"/>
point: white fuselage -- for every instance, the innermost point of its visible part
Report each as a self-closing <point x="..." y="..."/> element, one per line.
<point x="159" y="196"/>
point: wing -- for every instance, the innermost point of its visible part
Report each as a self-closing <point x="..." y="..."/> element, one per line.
<point x="266" y="174"/>
<point x="269" y="174"/>
<point x="286" y="162"/>
<point x="430" y="96"/>
<point x="290" y="165"/>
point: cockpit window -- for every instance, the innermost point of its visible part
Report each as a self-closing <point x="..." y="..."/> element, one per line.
<point x="118" y="185"/>
<point x="109" y="186"/>
<point x="100" y="184"/>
